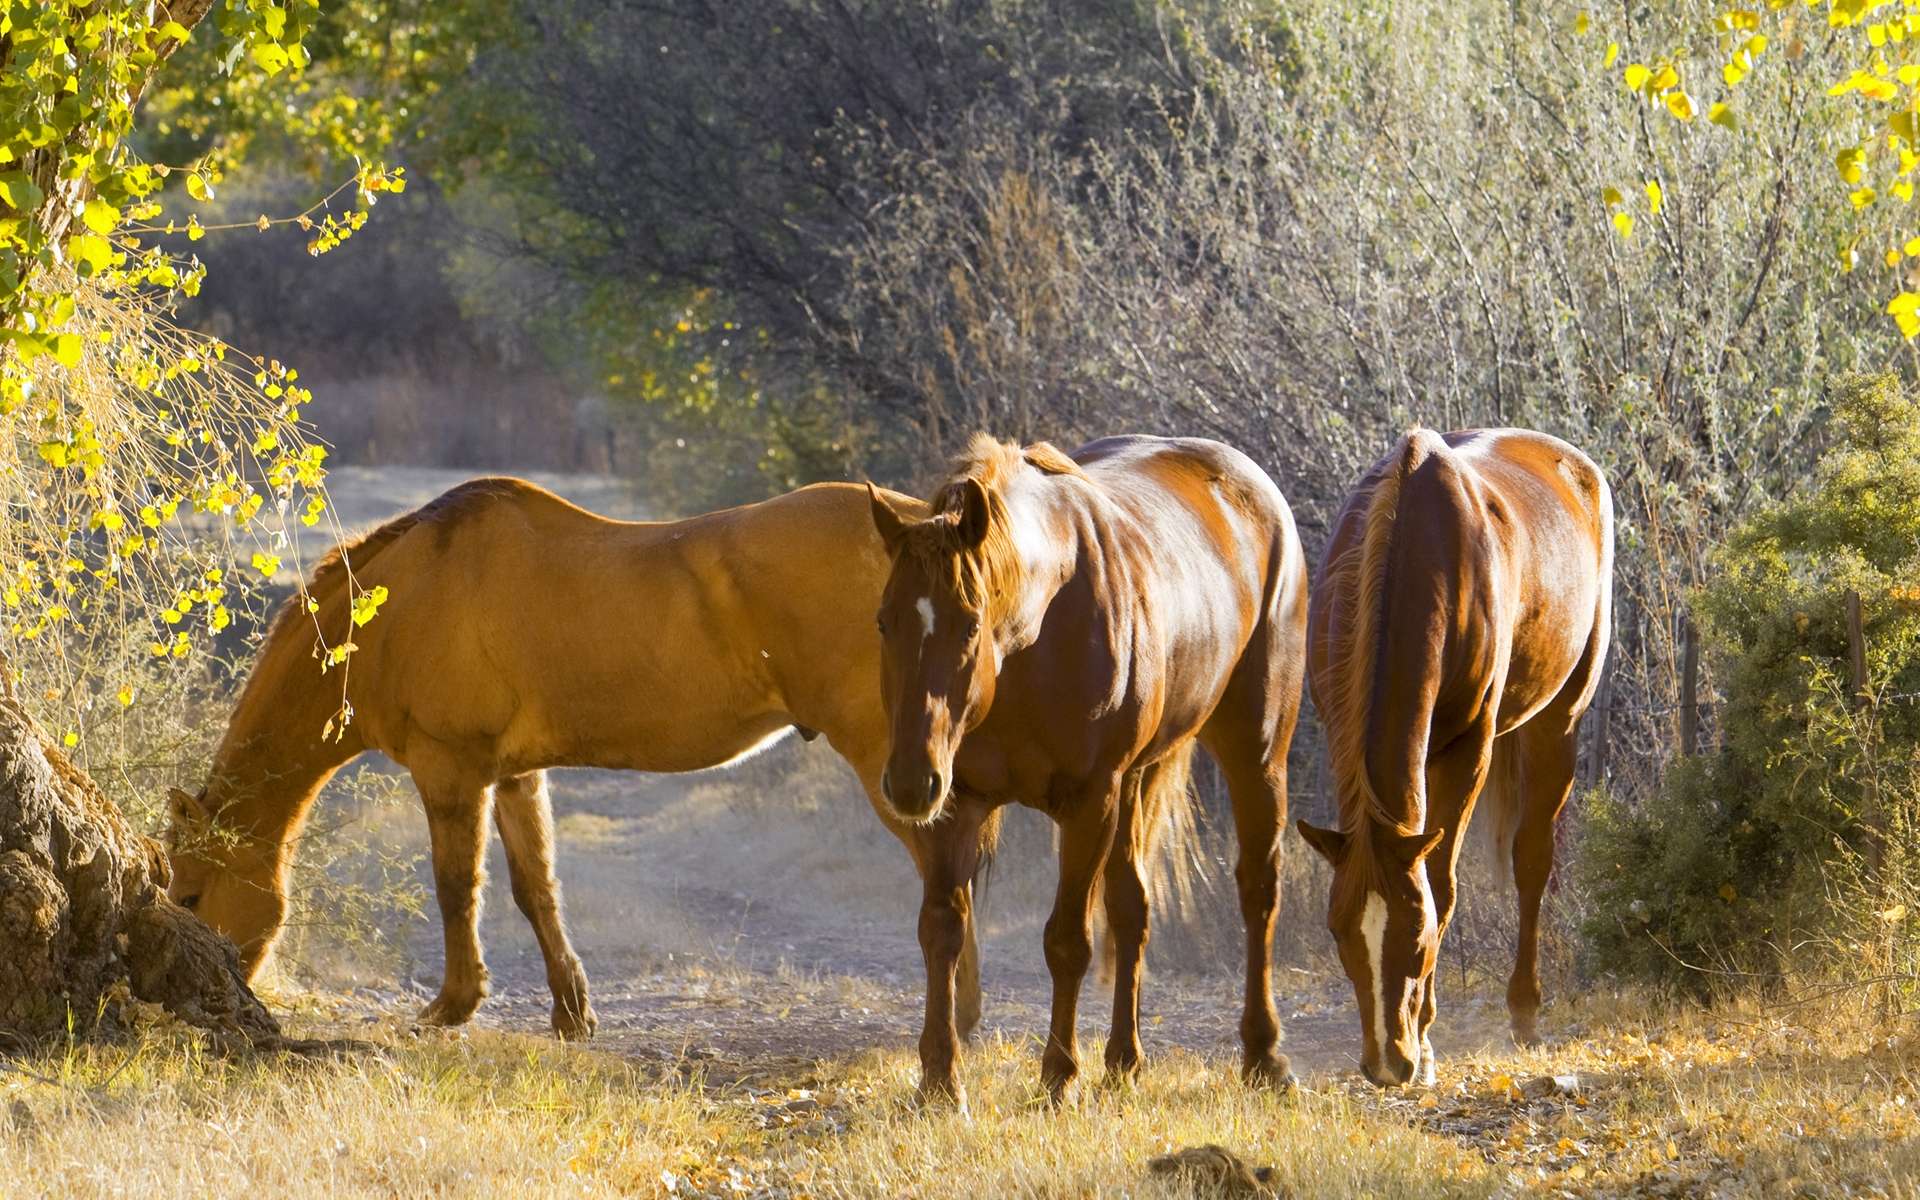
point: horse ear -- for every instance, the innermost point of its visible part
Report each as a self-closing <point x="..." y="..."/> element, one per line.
<point x="971" y="515"/>
<point x="1411" y="848"/>
<point x="186" y="809"/>
<point x="1331" y="843"/>
<point x="887" y="521"/>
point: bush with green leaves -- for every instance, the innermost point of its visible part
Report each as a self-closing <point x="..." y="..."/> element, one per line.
<point x="1788" y="852"/>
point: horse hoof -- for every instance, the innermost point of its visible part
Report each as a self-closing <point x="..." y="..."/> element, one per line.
<point x="932" y="1096"/>
<point x="570" y="1026"/>
<point x="1270" y="1070"/>
<point x="447" y="1011"/>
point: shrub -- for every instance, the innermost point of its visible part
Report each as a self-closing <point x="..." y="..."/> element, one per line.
<point x="1788" y="851"/>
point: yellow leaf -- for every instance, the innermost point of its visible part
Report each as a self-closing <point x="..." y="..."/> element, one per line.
<point x="1580" y="21"/>
<point x="1912" y="246"/>
<point x="266" y="564"/>
<point x="1429" y="1100"/>
<point x="125" y="695"/>
<point x="1722" y="116"/>
<point x="1654" y="196"/>
<point x="1861" y="197"/>
<point x="100" y="216"/>
<point x="1728" y="893"/>
<point x="1680" y="105"/>
<point x="70" y="739"/>
<point x="1636" y="77"/>
<point x="1893" y="256"/>
<point x="1613" y="52"/>
<point x="1611" y="196"/>
<point x="1623" y="224"/>
<point x="1893" y="914"/>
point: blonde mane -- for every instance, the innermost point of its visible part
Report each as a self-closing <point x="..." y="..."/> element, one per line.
<point x="987" y="577"/>
<point x="1358" y="583"/>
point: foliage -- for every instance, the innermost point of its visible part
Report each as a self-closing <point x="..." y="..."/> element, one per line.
<point x="1791" y="849"/>
<point x="1721" y="61"/>
<point x="126" y="440"/>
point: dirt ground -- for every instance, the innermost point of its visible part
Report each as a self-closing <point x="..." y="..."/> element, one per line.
<point x="751" y="932"/>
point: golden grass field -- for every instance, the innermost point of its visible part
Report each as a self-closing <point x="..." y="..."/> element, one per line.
<point x="1738" y="1105"/>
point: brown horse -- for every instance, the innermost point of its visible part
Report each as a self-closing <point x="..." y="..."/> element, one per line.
<point x="1456" y="636"/>
<point x="1081" y="621"/>
<point x="525" y="633"/>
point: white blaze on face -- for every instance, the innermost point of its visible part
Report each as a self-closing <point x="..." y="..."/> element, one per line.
<point x="1373" y="927"/>
<point x="924" y="606"/>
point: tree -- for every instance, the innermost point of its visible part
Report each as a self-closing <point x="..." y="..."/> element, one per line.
<point x="120" y="427"/>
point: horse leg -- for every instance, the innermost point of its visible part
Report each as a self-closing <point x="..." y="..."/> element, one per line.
<point x="456" y="821"/>
<point x="1125" y="895"/>
<point x="1085" y="840"/>
<point x="914" y="838"/>
<point x="952" y="852"/>
<point x="523" y="810"/>
<point x="1546" y="777"/>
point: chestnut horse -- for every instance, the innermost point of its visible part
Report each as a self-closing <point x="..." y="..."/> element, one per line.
<point x="525" y="633"/>
<point x="1081" y="621"/>
<point x="1456" y="636"/>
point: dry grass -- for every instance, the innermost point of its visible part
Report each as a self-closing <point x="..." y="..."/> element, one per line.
<point x="1679" y="1106"/>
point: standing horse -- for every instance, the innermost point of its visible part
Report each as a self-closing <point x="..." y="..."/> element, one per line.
<point x="1081" y="621"/>
<point x="525" y="633"/>
<point x="1456" y="636"/>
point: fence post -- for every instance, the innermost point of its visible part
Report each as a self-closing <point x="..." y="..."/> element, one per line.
<point x="1862" y="698"/>
<point x="1689" y="689"/>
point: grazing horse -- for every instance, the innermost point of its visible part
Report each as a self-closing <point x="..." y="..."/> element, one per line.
<point x="525" y="633"/>
<point x="1081" y="621"/>
<point x="1456" y="636"/>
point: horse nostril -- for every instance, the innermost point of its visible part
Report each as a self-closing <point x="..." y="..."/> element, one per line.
<point x="886" y="786"/>
<point x="936" y="788"/>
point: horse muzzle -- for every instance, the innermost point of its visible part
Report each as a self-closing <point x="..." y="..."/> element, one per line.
<point x="915" y="796"/>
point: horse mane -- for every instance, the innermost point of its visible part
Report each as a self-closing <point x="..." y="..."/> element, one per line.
<point x="990" y="575"/>
<point x="1358" y="583"/>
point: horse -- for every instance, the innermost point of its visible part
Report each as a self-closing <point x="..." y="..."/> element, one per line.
<point x="1456" y="635"/>
<point x="524" y="633"/>
<point x="1059" y="631"/>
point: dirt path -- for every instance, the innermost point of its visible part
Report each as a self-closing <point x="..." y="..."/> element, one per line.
<point x="760" y="920"/>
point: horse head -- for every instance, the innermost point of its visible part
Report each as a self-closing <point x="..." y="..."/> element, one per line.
<point x="1381" y="915"/>
<point x="225" y="878"/>
<point x="941" y="638"/>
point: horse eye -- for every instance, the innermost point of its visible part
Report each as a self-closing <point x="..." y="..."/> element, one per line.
<point x="191" y="902"/>
<point x="880" y="623"/>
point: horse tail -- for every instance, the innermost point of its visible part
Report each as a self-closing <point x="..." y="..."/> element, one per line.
<point x="983" y="867"/>
<point x="1359" y="578"/>
<point x="1165" y="843"/>
<point x="1501" y="805"/>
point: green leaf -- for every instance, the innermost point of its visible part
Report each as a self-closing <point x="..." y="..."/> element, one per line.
<point x="19" y="193"/>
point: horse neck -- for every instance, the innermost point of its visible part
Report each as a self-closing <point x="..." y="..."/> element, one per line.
<point x="274" y="758"/>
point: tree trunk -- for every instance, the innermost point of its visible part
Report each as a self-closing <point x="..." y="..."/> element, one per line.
<point x="85" y="924"/>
